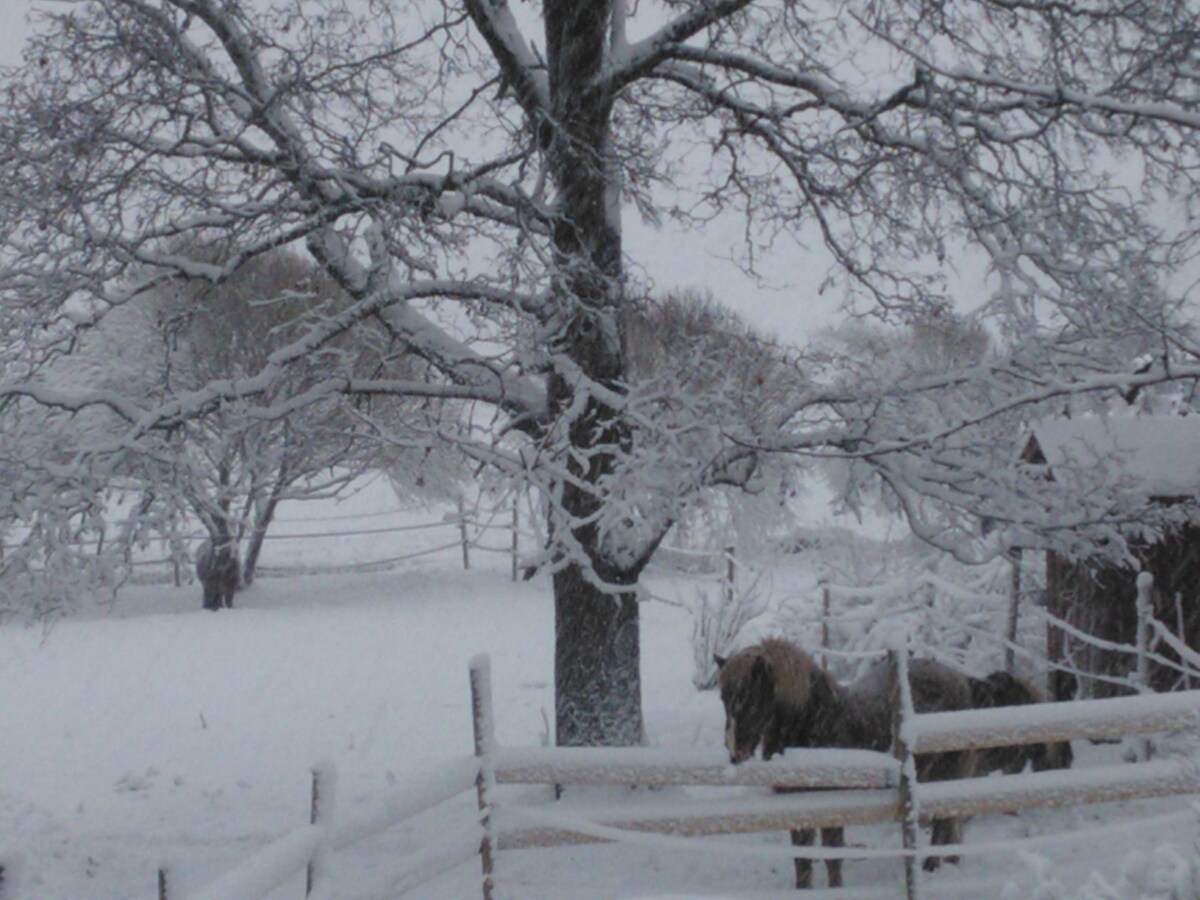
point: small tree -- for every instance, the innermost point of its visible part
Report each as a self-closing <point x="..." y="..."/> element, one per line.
<point x="231" y="466"/>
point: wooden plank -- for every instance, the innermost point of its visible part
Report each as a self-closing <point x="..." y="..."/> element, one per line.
<point x="700" y="818"/>
<point x="1041" y="790"/>
<point x="1077" y="720"/>
<point x="976" y="796"/>
<point x="622" y="766"/>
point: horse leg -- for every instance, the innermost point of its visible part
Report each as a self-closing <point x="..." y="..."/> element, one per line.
<point x="953" y="836"/>
<point x="833" y="837"/>
<point x="212" y="595"/>
<point x="803" y="837"/>
<point x="945" y="831"/>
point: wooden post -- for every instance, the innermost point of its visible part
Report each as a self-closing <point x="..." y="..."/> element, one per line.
<point x="485" y="746"/>
<point x="516" y="542"/>
<point x="1014" y="606"/>
<point x="729" y="585"/>
<point x="1145" y="611"/>
<point x="902" y="709"/>
<point x="164" y="885"/>
<point x="825" y="613"/>
<point x="1181" y="631"/>
<point x="462" y="531"/>
<point x="321" y="812"/>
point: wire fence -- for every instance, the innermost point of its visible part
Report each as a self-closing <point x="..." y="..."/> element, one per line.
<point x="471" y="534"/>
<point x="988" y="620"/>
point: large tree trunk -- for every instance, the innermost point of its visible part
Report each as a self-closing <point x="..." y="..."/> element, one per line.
<point x="597" y="672"/>
<point x="597" y="661"/>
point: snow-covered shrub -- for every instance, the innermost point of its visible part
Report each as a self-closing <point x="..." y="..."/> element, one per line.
<point x="953" y="612"/>
<point x="1162" y="874"/>
<point x="1037" y="882"/>
<point x="717" y="621"/>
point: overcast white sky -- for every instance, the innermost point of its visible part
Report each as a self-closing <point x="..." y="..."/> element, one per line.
<point x="786" y="305"/>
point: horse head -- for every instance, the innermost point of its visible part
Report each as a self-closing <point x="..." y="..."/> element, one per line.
<point x="747" y="682"/>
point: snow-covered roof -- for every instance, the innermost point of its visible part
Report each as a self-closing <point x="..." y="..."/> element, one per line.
<point x="1160" y="455"/>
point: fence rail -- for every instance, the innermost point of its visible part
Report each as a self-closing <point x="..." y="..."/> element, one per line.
<point x="854" y="787"/>
<point x="471" y="534"/>
<point x="866" y="790"/>
<point x="1078" y="720"/>
<point x="801" y="768"/>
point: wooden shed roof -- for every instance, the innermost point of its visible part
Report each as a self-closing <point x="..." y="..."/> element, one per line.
<point x="1157" y="455"/>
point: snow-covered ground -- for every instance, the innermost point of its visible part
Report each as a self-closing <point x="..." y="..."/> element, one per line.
<point x="155" y="733"/>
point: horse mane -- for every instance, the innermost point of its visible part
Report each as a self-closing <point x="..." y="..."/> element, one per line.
<point x="791" y="668"/>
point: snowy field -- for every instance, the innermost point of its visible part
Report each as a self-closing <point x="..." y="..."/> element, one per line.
<point x="154" y="733"/>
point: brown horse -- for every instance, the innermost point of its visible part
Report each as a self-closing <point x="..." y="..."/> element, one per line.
<point x="219" y="572"/>
<point x="1004" y="689"/>
<point x="776" y="696"/>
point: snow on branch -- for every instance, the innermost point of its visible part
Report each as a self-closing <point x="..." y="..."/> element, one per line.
<point x="635" y="60"/>
<point x="519" y="67"/>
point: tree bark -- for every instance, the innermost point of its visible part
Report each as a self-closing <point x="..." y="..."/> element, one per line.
<point x="258" y="532"/>
<point x="597" y="658"/>
<point x="597" y="670"/>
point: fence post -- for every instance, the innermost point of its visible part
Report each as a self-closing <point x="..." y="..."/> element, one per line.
<point x="462" y="531"/>
<point x="516" y="524"/>
<point x="826" y="608"/>
<point x="1181" y="631"/>
<point x="485" y="745"/>
<point x="902" y="711"/>
<point x="1145" y="611"/>
<point x="1014" y="606"/>
<point x="729" y="584"/>
<point x="324" y="793"/>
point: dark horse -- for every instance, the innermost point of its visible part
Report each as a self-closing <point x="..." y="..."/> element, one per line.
<point x="219" y="573"/>
<point x="776" y="696"/>
<point x="1004" y="689"/>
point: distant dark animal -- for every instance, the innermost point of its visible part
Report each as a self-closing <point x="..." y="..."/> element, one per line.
<point x="219" y="572"/>
<point x="776" y="696"/>
<point x="1004" y="689"/>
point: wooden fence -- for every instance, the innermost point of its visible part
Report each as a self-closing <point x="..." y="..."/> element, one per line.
<point x="859" y="788"/>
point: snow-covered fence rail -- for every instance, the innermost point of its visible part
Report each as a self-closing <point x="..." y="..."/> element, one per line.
<point x="1113" y="717"/>
<point x="858" y="787"/>
<point x="524" y="828"/>
<point x="268" y="869"/>
<point x="646" y="766"/>
<point x="852" y="787"/>
<point x="305" y="851"/>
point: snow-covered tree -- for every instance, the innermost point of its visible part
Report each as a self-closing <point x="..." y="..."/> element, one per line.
<point x="459" y="168"/>
<point x="689" y="344"/>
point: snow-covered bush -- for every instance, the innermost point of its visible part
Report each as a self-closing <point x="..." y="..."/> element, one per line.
<point x="717" y="620"/>
<point x="953" y="612"/>
<point x="1162" y="874"/>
